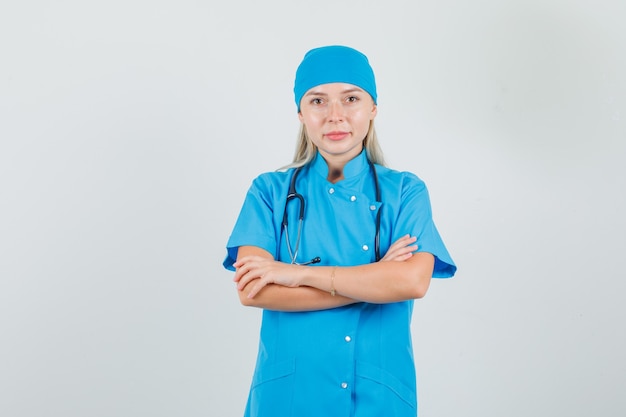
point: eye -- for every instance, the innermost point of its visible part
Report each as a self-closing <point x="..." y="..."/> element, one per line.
<point x="316" y="101"/>
<point x="352" y="99"/>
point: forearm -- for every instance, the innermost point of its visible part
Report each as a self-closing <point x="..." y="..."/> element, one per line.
<point x="281" y="298"/>
<point x="380" y="282"/>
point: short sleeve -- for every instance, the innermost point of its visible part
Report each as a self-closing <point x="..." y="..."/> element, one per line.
<point x="254" y="226"/>
<point x="415" y="217"/>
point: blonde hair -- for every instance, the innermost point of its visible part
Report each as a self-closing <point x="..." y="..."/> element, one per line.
<point x="306" y="150"/>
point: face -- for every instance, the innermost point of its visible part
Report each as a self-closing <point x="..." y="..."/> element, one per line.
<point x="337" y="118"/>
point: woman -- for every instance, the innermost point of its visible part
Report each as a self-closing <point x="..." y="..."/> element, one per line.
<point x="334" y="249"/>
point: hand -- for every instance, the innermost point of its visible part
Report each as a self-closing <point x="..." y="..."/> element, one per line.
<point x="402" y="249"/>
<point x="265" y="271"/>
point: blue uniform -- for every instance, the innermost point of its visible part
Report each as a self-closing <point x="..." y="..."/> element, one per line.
<point x="352" y="361"/>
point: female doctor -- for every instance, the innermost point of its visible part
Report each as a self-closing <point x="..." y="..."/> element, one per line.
<point x="334" y="248"/>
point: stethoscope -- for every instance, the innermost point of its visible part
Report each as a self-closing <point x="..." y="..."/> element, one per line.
<point x="294" y="195"/>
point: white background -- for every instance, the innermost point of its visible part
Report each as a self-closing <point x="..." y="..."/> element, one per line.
<point x="130" y="131"/>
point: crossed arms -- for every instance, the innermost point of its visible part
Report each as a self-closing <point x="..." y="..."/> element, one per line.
<point x="401" y="274"/>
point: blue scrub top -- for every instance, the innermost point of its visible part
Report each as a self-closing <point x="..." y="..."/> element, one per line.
<point x="352" y="361"/>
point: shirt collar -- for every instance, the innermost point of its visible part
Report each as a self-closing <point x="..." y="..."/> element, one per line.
<point x="353" y="168"/>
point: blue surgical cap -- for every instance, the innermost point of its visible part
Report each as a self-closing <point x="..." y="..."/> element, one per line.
<point x="333" y="64"/>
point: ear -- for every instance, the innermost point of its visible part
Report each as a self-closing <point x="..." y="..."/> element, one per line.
<point x="374" y="112"/>
<point x="300" y="117"/>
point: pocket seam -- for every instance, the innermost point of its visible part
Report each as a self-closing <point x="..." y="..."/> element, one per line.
<point x="385" y="378"/>
<point x="272" y="372"/>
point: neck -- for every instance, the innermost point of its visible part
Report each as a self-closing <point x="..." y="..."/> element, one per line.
<point x="335" y="174"/>
<point x="336" y="163"/>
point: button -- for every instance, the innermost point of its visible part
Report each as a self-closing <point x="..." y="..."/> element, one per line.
<point x="353" y="198"/>
<point x="365" y="247"/>
<point x="347" y="338"/>
<point x="344" y="385"/>
<point x="372" y="207"/>
<point x="331" y="191"/>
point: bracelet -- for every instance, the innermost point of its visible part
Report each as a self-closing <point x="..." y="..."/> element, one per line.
<point x="332" y="282"/>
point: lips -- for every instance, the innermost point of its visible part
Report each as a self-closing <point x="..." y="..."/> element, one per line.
<point x="336" y="135"/>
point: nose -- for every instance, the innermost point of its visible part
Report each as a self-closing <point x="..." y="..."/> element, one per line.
<point x="335" y="111"/>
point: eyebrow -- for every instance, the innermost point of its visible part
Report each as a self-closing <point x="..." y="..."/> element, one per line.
<point x="349" y="90"/>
